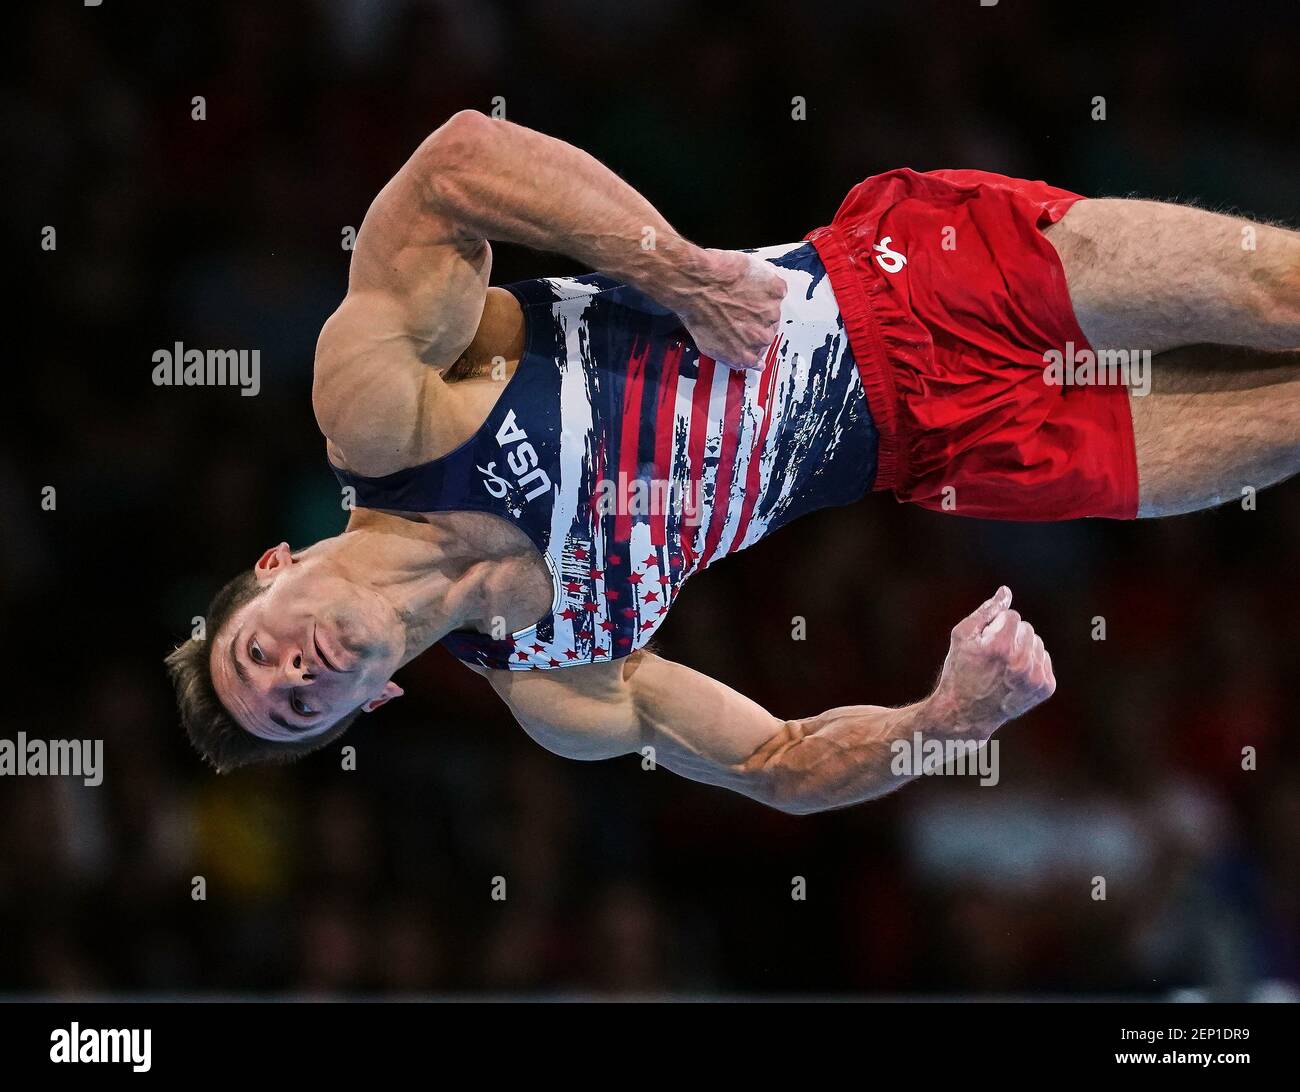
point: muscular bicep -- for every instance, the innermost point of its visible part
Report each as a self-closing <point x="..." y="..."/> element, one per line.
<point x="694" y="726"/>
<point x="578" y="712"/>
<point x="425" y="275"/>
<point x="417" y="286"/>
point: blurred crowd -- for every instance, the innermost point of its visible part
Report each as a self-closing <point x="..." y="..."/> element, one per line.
<point x="322" y="881"/>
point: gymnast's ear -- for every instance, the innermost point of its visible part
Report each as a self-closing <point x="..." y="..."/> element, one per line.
<point x="271" y="562"/>
<point x="391" y="690"/>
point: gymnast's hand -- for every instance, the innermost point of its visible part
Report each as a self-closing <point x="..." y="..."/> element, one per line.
<point x="733" y="317"/>
<point x="997" y="668"/>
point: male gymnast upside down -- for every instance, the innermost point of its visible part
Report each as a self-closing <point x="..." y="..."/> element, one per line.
<point x="902" y="348"/>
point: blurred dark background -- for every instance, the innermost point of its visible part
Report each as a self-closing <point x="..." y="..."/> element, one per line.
<point x="227" y="232"/>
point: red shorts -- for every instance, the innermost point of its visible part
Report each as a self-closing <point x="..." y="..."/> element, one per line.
<point x="951" y="295"/>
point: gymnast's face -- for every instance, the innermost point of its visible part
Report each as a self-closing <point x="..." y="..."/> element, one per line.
<point x="311" y="648"/>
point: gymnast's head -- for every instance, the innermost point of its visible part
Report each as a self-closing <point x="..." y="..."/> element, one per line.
<point x="294" y="651"/>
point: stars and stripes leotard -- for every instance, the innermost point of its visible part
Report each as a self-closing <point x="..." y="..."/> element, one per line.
<point x="632" y="462"/>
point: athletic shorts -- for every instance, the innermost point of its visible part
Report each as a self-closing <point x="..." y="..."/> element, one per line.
<point x="952" y="300"/>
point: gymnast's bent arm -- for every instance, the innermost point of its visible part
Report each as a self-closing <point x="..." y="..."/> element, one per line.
<point x="418" y="282"/>
<point x="508" y="183"/>
<point x="996" y="669"/>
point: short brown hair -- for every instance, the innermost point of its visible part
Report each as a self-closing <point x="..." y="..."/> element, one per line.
<point x="215" y="734"/>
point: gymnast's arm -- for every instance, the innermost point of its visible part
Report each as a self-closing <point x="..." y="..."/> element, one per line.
<point x="417" y="293"/>
<point x="996" y="669"/>
<point x="418" y="281"/>
<point x="504" y="182"/>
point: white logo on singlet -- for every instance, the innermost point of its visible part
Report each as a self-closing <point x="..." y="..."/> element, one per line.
<point x="522" y="460"/>
<point x="891" y="261"/>
<point x="494" y="484"/>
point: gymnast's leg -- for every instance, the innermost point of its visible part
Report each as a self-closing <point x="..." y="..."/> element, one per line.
<point x="1218" y="421"/>
<point x="1150" y="275"/>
